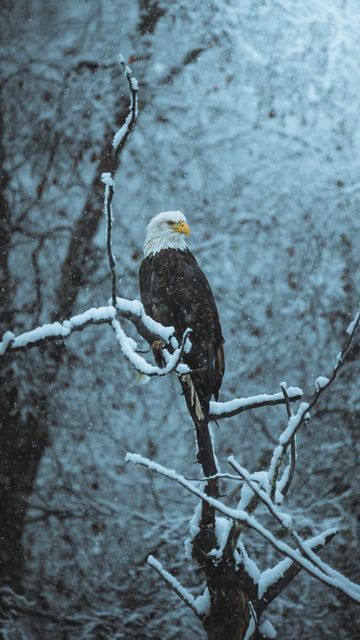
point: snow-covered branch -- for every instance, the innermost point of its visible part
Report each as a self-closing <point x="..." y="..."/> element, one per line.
<point x="123" y="133"/>
<point x="295" y="421"/>
<point x="175" y="585"/>
<point x="336" y="580"/>
<point x="148" y="328"/>
<point x="128" y="347"/>
<point x="119" y="141"/>
<point x="285" y="481"/>
<point x="323" y="383"/>
<point x="132" y="310"/>
<point x="56" y="330"/>
<point x="284" y="519"/>
<point x="231" y="408"/>
<point x="273" y="581"/>
<point x="108" y="181"/>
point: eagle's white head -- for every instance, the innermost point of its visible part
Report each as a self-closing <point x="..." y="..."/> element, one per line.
<point x="167" y="230"/>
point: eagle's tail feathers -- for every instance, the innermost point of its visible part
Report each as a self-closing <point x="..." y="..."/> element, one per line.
<point x="195" y="401"/>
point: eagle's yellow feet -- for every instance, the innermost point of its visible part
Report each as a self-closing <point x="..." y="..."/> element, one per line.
<point x="157" y="345"/>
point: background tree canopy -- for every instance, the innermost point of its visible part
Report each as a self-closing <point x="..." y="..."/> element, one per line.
<point x="249" y="124"/>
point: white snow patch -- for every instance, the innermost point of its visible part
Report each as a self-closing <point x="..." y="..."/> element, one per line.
<point x="172" y="581"/>
<point x="136" y="307"/>
<point x="270" y="576"/>
<point x="250" y="629"/>
<point x="203" y="603"/>
<point x="194" y="528"/>
<point x="249" y="565"/>
<point x="321" y="382"/>
<point x="352" y="324"/>
<point x="222" y="528"/>
<point x="293" y="424"/>
<point x="7" y="338"/>
<point x="107" y="179"/>
<point x="267" y="629"/>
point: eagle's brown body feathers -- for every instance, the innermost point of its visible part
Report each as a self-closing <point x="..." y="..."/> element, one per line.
<point x="175" y="292"/>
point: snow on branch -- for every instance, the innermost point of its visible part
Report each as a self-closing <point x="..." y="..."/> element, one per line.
<point x="132" y="310"/>
<point x="147" y="327"/>
<point x="287" y="437"/>
<point x="335" y="580"/>
<point x="284" y="520"/>
<point x="322" y="382"/>
<point x="238" y="405"/>
<point x="108" y="181"/>
<point x="56" y="330"/>
<point x="295" y="421"/>
<point x="285" y="481"/>
<point x="128" y="347"/>
<point x="175" y="585"/>
<point x="123" y="133"/>
<point x="119" y="141"/>
<point x="273" y="581"/>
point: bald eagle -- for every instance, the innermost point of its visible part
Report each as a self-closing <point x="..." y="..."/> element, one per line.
<point x="176" y="292"/>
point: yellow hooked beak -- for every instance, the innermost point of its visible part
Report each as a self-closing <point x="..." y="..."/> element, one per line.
<point x="182" y="227"/>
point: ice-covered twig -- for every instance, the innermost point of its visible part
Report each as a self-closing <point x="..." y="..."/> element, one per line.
<point x="128" y="347"/>
<point x="175" y="585"/>
<point x="123" y="133"/>
<point x="336" y="580"/>
<point x="56" y="330"/>
<point x="238" y="405"/>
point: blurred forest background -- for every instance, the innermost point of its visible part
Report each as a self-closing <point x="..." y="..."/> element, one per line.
<point x="249" y="124"/>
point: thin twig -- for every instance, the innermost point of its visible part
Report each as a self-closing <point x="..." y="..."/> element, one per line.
<point x="108" y="179"/>
<point x="281" y="458"/>
<point x="295" y="421"/>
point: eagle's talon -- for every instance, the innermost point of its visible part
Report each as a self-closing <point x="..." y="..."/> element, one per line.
<point x="158" y="345"/>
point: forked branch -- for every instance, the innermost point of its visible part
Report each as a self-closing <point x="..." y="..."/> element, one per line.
<point x="337" y="581"/>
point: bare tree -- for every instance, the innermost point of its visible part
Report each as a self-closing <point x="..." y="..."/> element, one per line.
<point x="236" y="592"/>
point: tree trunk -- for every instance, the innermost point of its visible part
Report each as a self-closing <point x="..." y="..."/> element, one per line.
<point x="230" y="589"/>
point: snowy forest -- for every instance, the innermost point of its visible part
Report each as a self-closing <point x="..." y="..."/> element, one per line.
<point x="247" y="121"/>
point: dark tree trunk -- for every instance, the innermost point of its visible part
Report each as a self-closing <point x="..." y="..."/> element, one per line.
<point x="23" y="437"/>
<point x="229" y="587"/>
